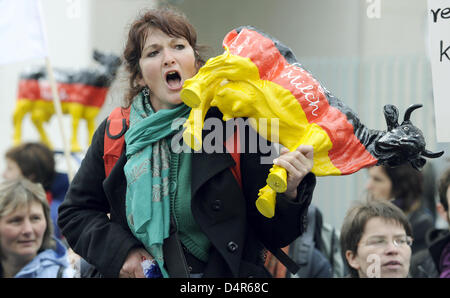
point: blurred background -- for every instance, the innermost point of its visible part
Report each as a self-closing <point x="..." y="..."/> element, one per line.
<point x="367" y="53"/>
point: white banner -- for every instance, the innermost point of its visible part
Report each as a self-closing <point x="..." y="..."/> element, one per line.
<point x="439" y="26"/>
<point x="22" y="33"/>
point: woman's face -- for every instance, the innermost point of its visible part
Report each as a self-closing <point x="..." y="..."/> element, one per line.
<point x="379" y="185"/>
<point x="377" y="255"/>
<point x="12" y="170"/>
<point x="166" y="62"/>
<point x="22" y="232"/>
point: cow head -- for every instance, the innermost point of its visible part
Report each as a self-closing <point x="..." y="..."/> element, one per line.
<point x="402" y="142"/>
<point x="110" y="61"/>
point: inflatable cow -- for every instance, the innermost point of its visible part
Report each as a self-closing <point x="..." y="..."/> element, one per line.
<point x="259" y="78"/>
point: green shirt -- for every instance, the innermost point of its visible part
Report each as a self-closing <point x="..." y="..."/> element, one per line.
<point x="189" y="231"/>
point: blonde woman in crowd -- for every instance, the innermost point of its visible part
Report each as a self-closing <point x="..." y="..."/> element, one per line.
<point x="27" y="247"/>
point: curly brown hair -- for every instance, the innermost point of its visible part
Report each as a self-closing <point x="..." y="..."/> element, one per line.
<point x="169" y="21"/>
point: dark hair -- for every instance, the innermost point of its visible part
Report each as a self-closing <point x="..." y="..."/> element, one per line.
<point x="407" y="185"/>
<point x="357" y="217"/>
<point x="170" y="22"/>
<point x="444" y="183"/>
<point x="36" y="162"/>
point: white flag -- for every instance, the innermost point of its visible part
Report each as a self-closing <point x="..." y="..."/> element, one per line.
<point x="439" y="26"/>
<point x="22" y="34"/>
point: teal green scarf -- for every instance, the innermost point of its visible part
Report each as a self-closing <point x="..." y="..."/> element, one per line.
<point x="147" y="173"/>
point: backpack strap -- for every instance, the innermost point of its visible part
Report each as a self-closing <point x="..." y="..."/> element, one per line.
<point x="116" y="126"/>
<point x="60" y="273"/>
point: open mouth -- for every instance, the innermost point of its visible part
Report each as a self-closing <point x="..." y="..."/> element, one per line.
<point x="173" y="80"/>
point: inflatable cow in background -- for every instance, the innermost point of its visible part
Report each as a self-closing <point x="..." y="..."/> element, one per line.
<point x="259" y="78"/>
<point x="82" y="94"/>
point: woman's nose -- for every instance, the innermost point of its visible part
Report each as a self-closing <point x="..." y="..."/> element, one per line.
<point x="27" y="227"/>
<point x="391" y="248"/>
<point x="169" y="62"/>
<point x="168" y="59"/>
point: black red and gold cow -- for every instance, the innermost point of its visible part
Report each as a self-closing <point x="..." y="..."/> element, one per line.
<point x="82" y="94"/>
<point x="260" y="78"/>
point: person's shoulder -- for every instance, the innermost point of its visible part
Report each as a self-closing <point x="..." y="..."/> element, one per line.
<point x="102" y="126"/>
<point x="322" y="267"/>
<point x="422" y="217"/>
<point x="53" y="261"/>
<point x="422" y="265"/>
<point x="438" y="240"/>
<point x="99" y="136"/>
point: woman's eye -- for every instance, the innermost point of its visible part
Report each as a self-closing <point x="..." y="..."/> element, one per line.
<point x="14" y="220"/>
<point x="153" y="54"/>
<point x="376" y="242"/>
<point x="36" y="218"/>
<point x="179" y="46"/>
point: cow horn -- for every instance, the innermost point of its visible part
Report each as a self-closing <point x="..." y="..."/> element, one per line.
<point x="430" y="154"/>
<point x="410" y="110"/>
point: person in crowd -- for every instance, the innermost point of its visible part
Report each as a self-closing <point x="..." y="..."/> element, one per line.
<point x="403" y="185"/>
<point x="158" y="198"/>
<point x="35" y="161"/>
<point x="27" y="246"/>
<point x="376" y="240"/>
<point x="434" y="261"/>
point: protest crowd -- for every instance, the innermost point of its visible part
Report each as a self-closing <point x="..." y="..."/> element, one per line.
<point x="159" y="197"/>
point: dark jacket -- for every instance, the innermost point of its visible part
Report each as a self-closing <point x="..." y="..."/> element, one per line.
<point x="58" y="190"/>
<point x="226" y="213"/>
<point x="425" y="263"/>
<point x="440" y="240"/>
<point x="421" y="222"/>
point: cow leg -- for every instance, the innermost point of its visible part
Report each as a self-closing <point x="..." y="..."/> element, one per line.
<point x="90" y="116"/>
<point x="76" y="111"/>
<point x="23" y="107"/>
<point x="42" y="112"/>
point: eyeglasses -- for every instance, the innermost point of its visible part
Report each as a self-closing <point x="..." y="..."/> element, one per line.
<point x="380" y="242"/>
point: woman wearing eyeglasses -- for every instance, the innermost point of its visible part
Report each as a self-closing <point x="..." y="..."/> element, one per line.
<point x="376" y="240"/>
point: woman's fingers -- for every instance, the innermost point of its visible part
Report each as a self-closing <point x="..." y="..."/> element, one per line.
<point x="307" y="151"/>
<point x="298" y="164"/>
<point x="299" y="160"/>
